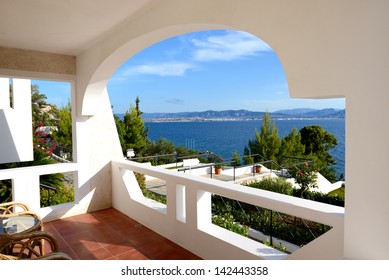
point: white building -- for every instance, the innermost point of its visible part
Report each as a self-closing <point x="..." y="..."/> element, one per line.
<point x="327" y="48"/>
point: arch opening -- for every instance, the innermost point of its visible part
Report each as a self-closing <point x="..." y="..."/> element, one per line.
<point x="213" y="70"/>
<point x="180" y="79"/>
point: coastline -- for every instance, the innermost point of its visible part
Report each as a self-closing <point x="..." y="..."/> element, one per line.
<point x="224" y="136"/>
<point x="198" y="119"/>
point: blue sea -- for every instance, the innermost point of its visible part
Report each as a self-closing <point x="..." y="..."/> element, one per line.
<point x="226" y="137"/>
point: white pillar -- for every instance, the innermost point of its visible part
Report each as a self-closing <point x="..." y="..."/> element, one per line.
<point x="25" y="188"/>
<point x="15" y="122"/>
<point x="367" y="187"/>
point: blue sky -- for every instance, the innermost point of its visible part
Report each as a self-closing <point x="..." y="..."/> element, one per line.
<point x="209" y="70"/>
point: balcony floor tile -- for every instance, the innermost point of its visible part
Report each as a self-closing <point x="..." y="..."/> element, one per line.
<point x="109" y="234"/>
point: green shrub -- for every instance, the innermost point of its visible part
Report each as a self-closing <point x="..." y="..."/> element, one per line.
<point x="5" y="191"/>
<point x="231" y="214"/>
<point x="321" y="197"/>
<point x="142" y="184"/>
<point x="141" y="179"/>
<point x="228" y="222"/>
<point x="64" y="194"/>
<point x="274" y="184"/>
<point x="279" y="247"/>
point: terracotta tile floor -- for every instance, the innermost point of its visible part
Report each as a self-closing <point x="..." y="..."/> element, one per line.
<point x="110" y="235"/>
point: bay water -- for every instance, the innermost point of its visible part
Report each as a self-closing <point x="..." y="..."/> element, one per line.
<point x="226" y="137"/>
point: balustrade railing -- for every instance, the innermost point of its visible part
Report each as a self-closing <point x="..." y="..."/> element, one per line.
<point x="186" y="219"/>
<point x="187" y="216"/>
<point x="26" y="187"/>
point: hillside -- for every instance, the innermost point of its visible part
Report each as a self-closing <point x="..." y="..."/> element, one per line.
<point x="302" y="113"/>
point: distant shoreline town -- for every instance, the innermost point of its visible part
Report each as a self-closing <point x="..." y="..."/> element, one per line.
<point x="244" y="115"/>
<point x="227" y="119"/>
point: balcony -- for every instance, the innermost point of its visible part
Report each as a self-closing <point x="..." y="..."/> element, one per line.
<point x="136" y="227"/>
<point x="320" y="64"/>
<point x="110" y="235"/>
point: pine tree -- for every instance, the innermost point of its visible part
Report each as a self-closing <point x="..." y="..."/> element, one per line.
<point x="267" y="142"/>
<point x="318" y="142"/>
<point x="135" y="135"/>
<point x="121" y="131"/>
<point x="63" y="134"/>
<point x="291" y="146"/>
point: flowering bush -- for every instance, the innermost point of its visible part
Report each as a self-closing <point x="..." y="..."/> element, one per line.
<point x="42" y="143"/>
<point x="305" y="176"/>
<point x="43" y="149"/>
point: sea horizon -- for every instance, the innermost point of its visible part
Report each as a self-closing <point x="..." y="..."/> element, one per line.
<point x="226" y="137"/>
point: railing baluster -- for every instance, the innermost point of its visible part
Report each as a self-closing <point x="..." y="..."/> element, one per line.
<point x="190" y="196"/>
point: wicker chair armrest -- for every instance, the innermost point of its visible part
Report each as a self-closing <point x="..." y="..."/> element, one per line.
<point x="55" y="256"/>
<point x="38" y="234"/>
<point x="50" y="256"/>
<point x="7" y="257"/>
<point x="29" y="245"/>
<point x="8" y="207"/>
<point x="24" y="213"/>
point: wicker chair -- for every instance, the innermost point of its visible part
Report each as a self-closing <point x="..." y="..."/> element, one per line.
<point x="11" y="207"/>
<point x="51" y="256"/>
<point x="18" y="209"/>
<point x="30" y="246"/>
<point x="28" y="240"/>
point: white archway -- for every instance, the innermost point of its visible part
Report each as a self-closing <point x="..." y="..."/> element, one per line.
<point x="113" y="61"/>
<point x="327" y="50"/>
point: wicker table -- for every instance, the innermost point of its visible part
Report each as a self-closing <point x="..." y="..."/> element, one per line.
<point x="14" y="229"/>
<point x="19" y="224"/>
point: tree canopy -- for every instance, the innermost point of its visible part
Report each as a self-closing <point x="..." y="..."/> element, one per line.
<point x="135" y="134"/>
<point x="291" y="146"/>
<point x="311" y="142"/>
<point x="43" y="115"/>
<point x="63" y="134"/>
<point x="266" y="142"/>
<point x="318" y="142"/>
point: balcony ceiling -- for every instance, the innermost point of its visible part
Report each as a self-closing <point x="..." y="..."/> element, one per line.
<point x="62" y="27"/>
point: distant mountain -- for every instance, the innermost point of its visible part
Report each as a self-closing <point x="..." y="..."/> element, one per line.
<point x="304" y="113"/>
<point x="313" y="113"/>
<point x="326" y="113"/>
<point x="229" y="114"/>
<point x="295" y="111"/>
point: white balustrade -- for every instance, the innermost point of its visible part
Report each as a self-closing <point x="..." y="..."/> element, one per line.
<point x="25" y="186"/>
<point x="187" y="220"/>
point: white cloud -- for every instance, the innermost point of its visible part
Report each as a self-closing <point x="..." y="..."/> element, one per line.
<point x="161" y="69"/>
<point x="231" y="46"/>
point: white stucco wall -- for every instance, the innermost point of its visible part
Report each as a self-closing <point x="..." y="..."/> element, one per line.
<point x="15" y="121"/>
<point x="327" y="49"/>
